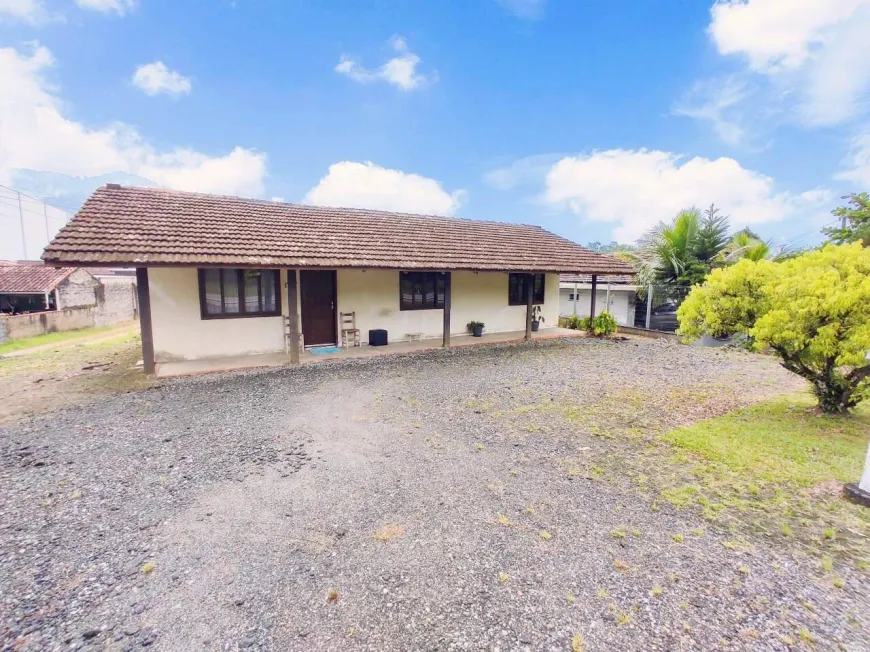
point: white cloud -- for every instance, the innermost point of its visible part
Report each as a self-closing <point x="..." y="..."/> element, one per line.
<point x="36" y="134"/>
<point x="777" y="34"/>
<point x="400" y="71"/>
<point x="240" y="172"/>
<point x="857" y="164"/>
<point x="527" y="9"/>
<point x="636" y="189"/>
<point x="27" y="11"/>
<point x="522" y="172"/>
<point x="119" y="7"/>
<point x="366" y="185"/>
<point x="155" y="78"/>
<point x="815" y="53"/>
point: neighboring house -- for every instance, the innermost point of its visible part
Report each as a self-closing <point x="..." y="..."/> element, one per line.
<point x="226" y="276"/>
<point x="616" y="294"/>
<point x="36" y="298"/>
<point x="32" y="286"/>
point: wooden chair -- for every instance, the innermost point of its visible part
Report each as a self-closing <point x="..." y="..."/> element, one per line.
<point x="349" y="331"/>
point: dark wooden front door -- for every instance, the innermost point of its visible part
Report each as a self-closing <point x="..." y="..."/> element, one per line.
<point x="317" y="298"/>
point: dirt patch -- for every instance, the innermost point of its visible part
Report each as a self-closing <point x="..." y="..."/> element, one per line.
<point x="47" y="379"/>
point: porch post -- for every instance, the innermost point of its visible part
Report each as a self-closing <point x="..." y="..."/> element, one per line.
<point x="144" y="296"/>
<point x="293" y="316"/>
<point x="575" y="298"/>
<point x="594" y="290"/>
<point x="445" y="336"/>
<point x="530" y="293"/>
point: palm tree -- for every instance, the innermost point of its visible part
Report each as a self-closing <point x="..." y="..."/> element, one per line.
<point x="746" y="244"/>
<point x="680" y="253"/>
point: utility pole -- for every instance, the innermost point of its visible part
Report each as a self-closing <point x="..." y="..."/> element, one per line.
<point x="21" y="221"/>
<point x="45" y="212"/>
<point x="649" y="300"/>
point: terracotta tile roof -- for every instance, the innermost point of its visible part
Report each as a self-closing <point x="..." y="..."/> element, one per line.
<point x="150" y="226"/>
<point x="30" y="277"/>
<point x="619" y="279"/>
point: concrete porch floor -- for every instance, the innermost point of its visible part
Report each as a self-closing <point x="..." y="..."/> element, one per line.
<point x="234" y="363"/>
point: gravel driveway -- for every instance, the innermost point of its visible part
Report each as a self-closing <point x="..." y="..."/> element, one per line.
<point x="374" y="505"/>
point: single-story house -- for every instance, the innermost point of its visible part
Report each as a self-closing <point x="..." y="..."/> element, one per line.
<point x="225" y="276"/>
<point x="617" y="294"/>
<point x="33" y="286"/>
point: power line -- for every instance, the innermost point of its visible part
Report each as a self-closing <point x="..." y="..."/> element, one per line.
<point x="805" y="234"/>
<point x="27" y="210"/>
<point x="22" y="194"/>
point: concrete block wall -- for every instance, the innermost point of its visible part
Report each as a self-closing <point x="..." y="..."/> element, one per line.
<point x="77" y="290"/>
<point x="116" y="300"/>
<point x="31" y="324"/>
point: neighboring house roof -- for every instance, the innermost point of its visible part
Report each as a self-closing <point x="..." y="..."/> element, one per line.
<point x="618" y="279"/>
<point x="148" y="226"/>
<point x="30" y="277"/>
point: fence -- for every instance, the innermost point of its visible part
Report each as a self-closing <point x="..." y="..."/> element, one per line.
<point x="656" y="309"/>
<point x="27" y="224"/>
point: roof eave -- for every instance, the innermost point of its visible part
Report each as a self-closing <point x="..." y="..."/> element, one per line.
<point x="265" y="264"/>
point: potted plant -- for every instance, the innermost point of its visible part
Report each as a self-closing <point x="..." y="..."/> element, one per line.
<point x="537" y="318"/>
<point x="475" y="328"/>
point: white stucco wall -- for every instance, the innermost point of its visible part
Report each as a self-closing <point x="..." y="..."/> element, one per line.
<point x="180" y="333"/>
<point x="621" y="302"/>
<point x="482" y="296"/>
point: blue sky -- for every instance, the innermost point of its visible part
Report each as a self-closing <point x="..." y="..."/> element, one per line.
<point x="592" y="118"/>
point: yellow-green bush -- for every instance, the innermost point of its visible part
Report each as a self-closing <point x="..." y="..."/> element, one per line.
<point x="813" y="311"/>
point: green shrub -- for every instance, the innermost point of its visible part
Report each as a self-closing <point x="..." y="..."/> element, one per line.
<point x="586" y="324"/>
<point x="574" y="322"/>
<point x="604" y="324"/>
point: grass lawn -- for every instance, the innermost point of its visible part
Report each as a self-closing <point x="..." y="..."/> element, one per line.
<point x="54" y="338"/>
<point x="783" y="441"/>
<point x="778" y="468"/>
<point x="775" y="469"/>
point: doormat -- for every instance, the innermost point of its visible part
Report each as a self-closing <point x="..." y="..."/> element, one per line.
<point x="325" y="349"/>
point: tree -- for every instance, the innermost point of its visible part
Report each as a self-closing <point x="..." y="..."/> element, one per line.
<point x="746" y="244"/>
<point x="812" y="311"/>
<point x="711" y="239"/>
<point x="613" y="247"/>
<point x="743" y="245"/>
<point x="680" y="253"/>
<point x="855" y="221"/>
